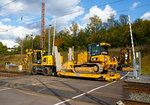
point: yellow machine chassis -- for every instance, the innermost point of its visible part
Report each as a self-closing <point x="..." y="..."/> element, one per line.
<point x="107" y="77"/>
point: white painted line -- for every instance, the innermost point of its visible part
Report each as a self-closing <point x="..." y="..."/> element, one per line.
<point x="125" y="75"/>
<point x="62" y="102"/>
<point x="41" y="89"/>
<point x="4" y="89"/>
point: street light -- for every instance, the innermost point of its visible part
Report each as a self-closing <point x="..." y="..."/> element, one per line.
<point x="49" y="40"/>
<point x="32" y="40"/>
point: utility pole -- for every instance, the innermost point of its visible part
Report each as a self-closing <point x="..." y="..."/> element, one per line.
<point x="54" y="35"/>
<point x="134" y="60"/>
<point x="21" y="51"/>
<point x="42" y="39"/>
<point x="32" y="40"/>
<point x="49" y="39"/>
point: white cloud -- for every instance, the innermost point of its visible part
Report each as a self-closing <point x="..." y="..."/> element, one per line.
<point x="64" y="10"/>
<point x="134" y="5"/>
<point x="6" y="20"/>
<point x="58" y="8"/>
<point x="8" y="37"/>
<point x="146" y="16"/>
<point x="9" y="43"/>
<point x="62" y="22"/>
<point x="12" y="7"/>
<point x="103" y="14"/>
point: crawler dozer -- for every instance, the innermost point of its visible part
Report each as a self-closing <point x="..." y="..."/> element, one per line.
<point x="96" y="60"/>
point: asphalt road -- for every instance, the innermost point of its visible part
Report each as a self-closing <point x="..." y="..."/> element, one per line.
<point x="48" y="90"/>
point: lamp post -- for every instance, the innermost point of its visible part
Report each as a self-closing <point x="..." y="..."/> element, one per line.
<point x="32" y="40"/>
<point x="54" y="36"/>
<point x="49" y="40"/>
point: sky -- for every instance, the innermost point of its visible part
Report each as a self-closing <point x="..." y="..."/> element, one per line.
<point x="21" y="17"/>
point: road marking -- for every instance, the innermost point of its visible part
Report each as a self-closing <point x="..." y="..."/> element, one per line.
<point x="125" y="75"/>
<point x="4" y="89"/>
<point x="41" y="90"/>
<point x="62" y="102"/>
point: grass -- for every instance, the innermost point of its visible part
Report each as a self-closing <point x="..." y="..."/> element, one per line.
<point x="145" y="61"/>
<point x="15" y="59"/>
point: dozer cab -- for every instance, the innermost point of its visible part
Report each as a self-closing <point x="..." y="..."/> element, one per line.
<point x="96" y="60"/>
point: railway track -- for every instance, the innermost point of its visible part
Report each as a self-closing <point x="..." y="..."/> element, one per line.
<point x="132" y="102"/>
<point x="12" y="74"/>
<point x="138" y="88"/>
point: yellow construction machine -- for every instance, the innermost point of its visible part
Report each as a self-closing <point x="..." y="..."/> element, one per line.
<point x="125" y="59"/>
<point x="42" y="63"/>
<point x="94" y="63"/>
<point x="96" y="60"/>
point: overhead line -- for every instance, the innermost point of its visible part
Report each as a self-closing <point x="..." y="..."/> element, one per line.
<point x="123" y="10"/>
<point x="101" y="4"/>
<point x="7" y="4"/>
<point x="108" y="14"/>
<point x="102" y="15"/>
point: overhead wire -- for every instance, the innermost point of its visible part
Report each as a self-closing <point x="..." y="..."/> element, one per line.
<point x="7" y="3"/>
<point x="83" y="11"/>
<point x="118" y="11"/>
<point x="66" y="8"/>
<point x="117" y="1"/>
<point x="90" y="7"/>
<point x="109" y="14"/>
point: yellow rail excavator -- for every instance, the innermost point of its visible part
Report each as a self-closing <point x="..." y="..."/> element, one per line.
<point x="125" y="59"/>
<point x="94" y="63"/>
<point x="42" y="63"/>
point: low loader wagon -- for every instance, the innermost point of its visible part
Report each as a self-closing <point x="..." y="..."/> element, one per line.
<point x="106" y="77"/>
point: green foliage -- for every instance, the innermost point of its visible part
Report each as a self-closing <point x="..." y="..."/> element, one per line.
<point x="74" y="28"/>
<point x="115" y="32"/>
<point x="36" y="42"/>
<point x="3" y="49"/>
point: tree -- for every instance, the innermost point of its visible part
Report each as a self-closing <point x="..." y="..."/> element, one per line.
<point x="82" y="40"/>
<point x="74" y="28"/>
<point x="27" y="42"/>
<point x="93" y="28"/>
<point x="36" y="42"/>
<point x="95" y="24"/>
<point x="123" y="19"/>
<point x="3" y="49"/>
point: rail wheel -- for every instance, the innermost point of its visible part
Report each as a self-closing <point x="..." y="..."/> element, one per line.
<point x="34" y="71"/>
<point x="47" y="71"/>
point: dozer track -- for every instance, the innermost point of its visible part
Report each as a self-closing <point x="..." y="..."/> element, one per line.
<point x="94" y="68"/>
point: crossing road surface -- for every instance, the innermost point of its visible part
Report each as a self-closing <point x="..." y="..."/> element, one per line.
<point x="48" y="90"/>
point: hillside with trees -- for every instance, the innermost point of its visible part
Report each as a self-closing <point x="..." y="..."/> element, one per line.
<point x="115" y="32"/>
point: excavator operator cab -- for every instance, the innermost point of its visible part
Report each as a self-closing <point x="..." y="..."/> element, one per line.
<point x="37" y="56"/>
<point x="98" y="49"/>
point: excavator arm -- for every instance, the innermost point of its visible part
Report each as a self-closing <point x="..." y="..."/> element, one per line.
<point x="28" y="53"/>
